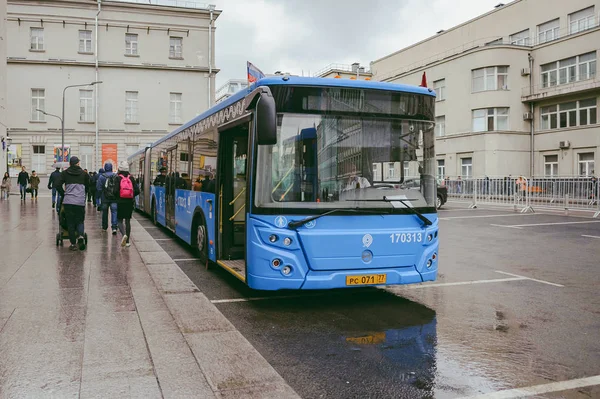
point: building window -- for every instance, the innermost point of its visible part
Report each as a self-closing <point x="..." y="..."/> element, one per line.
<point x="466" y="167"/>
<point x="376" y="174"/>
<point x="176" y="47"/>
<point x="491" y="78"/>
<point x="551" y="165"/>
<point x="441" y="168"/>
<point x="521" y="38"/>
<point x="440" y="126"/>
<point x="86" y="106"/>
<point x="175" y="108"/>
<point x="406" y="168"/>
<point x="37" y="39"/>
<point x="391" y="170"/>
<point x="586" y="164"/>
<point x="581" y="20"/>
<point x="490" y="119"/>
<point x="38" y="101"/>
<point x="574" y="113"/>
<point x="569" y="70"/>
<point x="85" y="41"/>
<point x="131" y="44"/>
<point x="548" y="31"/>
<point x="440" y="89"/>
<point x="131" y="106"/>
<point x="38" y="161"/>
<point x="131" y="149"/>
<point x="86" y="153"/>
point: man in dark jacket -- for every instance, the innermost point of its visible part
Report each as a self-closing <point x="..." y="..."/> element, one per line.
<point x="23" y="181"/>
<point x="108" y="199"/>
<point x="75" y="180"/>
<point x="51" y="185"/>
<point x="97" y="202"/>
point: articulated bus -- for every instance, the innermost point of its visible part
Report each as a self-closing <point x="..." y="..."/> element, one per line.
<point x="297" y="183"/>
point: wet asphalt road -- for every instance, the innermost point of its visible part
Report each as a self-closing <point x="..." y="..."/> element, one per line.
<point x="512" y="307"/>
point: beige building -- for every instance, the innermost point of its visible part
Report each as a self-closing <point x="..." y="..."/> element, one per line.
<point x="517" y="88"/>
<point x="3" y="121"/>
<point x="343" y="71"/>
<point x="155" y="62"/>
<point x="230" y="87"/>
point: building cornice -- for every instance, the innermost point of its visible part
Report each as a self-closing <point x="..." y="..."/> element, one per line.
<point x="494" y="132"/>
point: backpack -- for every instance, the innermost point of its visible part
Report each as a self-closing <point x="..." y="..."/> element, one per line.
<point x="110" y="187"/>
<point x="126" y="187"/>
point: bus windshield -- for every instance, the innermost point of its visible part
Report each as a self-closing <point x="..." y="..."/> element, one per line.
<point x="328" y="161"/>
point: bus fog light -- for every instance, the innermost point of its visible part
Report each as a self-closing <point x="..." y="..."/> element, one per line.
<point x="276" y="263"/>
<point x="429" y="237"/>
<point x="429" y="262"/>
<point x="273" y="238"/>
<point x="287" y="241"/>
<point x="434" y="256"/>
<point x="286" y="270"/>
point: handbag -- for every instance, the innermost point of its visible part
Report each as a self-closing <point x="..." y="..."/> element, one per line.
<point x="28" y="190"/>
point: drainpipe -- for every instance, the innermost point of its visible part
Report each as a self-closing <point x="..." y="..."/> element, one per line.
<point x="532" y="124"/>
<point x="98" y="161"/>
<point x="211" y="8"/>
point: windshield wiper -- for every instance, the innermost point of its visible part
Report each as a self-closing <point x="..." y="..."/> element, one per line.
<point x="404" y="202"/>
<point x="297" y="223"/>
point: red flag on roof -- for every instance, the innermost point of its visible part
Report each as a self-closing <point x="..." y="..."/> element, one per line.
<point x="423" y="81"/>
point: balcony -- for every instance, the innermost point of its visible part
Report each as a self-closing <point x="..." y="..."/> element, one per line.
<point x="540" y="93"/>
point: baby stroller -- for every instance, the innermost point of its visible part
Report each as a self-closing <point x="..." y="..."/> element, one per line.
<point x="63" y="229"/>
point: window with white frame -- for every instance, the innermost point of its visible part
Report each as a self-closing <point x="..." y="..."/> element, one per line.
<point x="490" y="78"/>
<point x="86" y="106"/>
<point x="520" y="38"/>
<point x="440" y="89"/>
<point x="86" y="153"/>
<point x="490" y="119"/>
<point x="37" y="39"/>
<point x="440" y="126"/>
<point x="569" y="70"/>
<point x="38" y="161"/>
<point x="131" y="107"/>
<point x="38" y="101"/>
<point x="551" y="165"/>
<point x="175" y="47"/>
<point x="376" y="172"/>
<point x="175" y="108"/>
<point x="581" y="20"/>
<point x="406" y="168"/>
<point x="85" y="41"/>
<point x="391" y="170"/>
<point x="570" y="114"/>
<point x="548" y="31"/>
<point x="466" y="167"/>
<point x="586" y="164"/>
<point x="441" y="168"/>
<point x="131" y="44"/>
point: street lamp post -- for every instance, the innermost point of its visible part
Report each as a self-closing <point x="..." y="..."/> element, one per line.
<point x="62" y="120"/>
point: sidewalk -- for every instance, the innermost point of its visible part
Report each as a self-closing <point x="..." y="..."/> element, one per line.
<point x="112" y="322"/>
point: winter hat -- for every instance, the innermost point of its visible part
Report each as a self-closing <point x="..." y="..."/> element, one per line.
<point x="123" y="166"/>
<point x="73" y="161"/>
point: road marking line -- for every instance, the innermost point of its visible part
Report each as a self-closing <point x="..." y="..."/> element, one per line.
<point x="550" y="224"/>
<point x="486" y="216"/>
<point x="510" y="227"/>
<point x="529" y="278"/>
<point x="496" y="280"/>
<point x="585" y="235"/>
<point x="185" y="260"/>
<point x="162" y="239"/>
<point x="540" y="389"/>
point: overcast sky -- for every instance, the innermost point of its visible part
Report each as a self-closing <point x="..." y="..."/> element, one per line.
<point x="302" y="36"/>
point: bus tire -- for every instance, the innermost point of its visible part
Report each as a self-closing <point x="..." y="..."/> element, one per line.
<point x="439" y="202"/>
<point x="200" y="239"/>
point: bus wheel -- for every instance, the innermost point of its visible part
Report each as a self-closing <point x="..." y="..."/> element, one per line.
<point x="201" y="241"/>
<point x="439" y="202"/>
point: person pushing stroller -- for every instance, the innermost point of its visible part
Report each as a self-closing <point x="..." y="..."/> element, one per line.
<point x="73" y="195"/>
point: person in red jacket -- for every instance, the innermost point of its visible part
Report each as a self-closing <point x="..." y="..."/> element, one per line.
<point x="126" y="191"/>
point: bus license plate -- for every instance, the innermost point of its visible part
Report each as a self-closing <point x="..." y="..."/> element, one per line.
<point x="366" y="279"/>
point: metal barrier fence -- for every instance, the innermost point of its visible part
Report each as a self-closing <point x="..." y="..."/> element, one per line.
<point x="524" y="194"/>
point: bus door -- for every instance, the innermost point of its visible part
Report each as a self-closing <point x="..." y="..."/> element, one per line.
<point x="232" y="192"/>
<point x="140" y="181"/>
<point x="171" y="184"/>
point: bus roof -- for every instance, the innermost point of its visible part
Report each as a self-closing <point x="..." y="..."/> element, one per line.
<point x="299" y="81"/>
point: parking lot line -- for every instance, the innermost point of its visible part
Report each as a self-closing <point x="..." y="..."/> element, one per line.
<point x="540" y="389"/>
<point x="529" y="278"/>
<point x="486" y="216"/>
<point x="510" y="227"/>
<point x="585" y="235"/>
<point x="547" y="224"/>
<point x="496" y="280"/>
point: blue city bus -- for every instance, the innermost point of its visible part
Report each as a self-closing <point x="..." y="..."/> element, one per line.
<point x="296" y="183"/>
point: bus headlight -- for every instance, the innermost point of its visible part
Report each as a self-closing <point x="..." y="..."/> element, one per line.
<point x="429" y="263"/>
<point x="429" y="237"/>
<point x="276" y="263"/>
<point x="286" y="270"/>
<point x="273" y="238"/>
<point x="287" y="241"/>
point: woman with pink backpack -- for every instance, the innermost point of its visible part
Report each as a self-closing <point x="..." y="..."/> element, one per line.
<point x="126" y="191"/>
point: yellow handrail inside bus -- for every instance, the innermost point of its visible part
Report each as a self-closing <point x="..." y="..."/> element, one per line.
<point x="283" y="178"/>
<point x="236" y="213"/>
<point x="237" y="196"/>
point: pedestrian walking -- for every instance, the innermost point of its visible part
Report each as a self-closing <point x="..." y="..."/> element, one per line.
<point x="35" y="185"/>
<point x="54" y="176"/>
<point x="98" y="201"/>
<point x="106" y="188"/>
<point x="126" y="191"/>
<point x="5" y="186"/>
<point x="74" y="180"/>
<point x="92" y="189"/>
<point x="23" y="181"/>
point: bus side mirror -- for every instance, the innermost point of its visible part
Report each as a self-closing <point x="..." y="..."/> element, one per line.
<point x="266" y="120"/>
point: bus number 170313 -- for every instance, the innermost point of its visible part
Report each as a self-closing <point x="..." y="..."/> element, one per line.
<point x="406" y="237"/>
